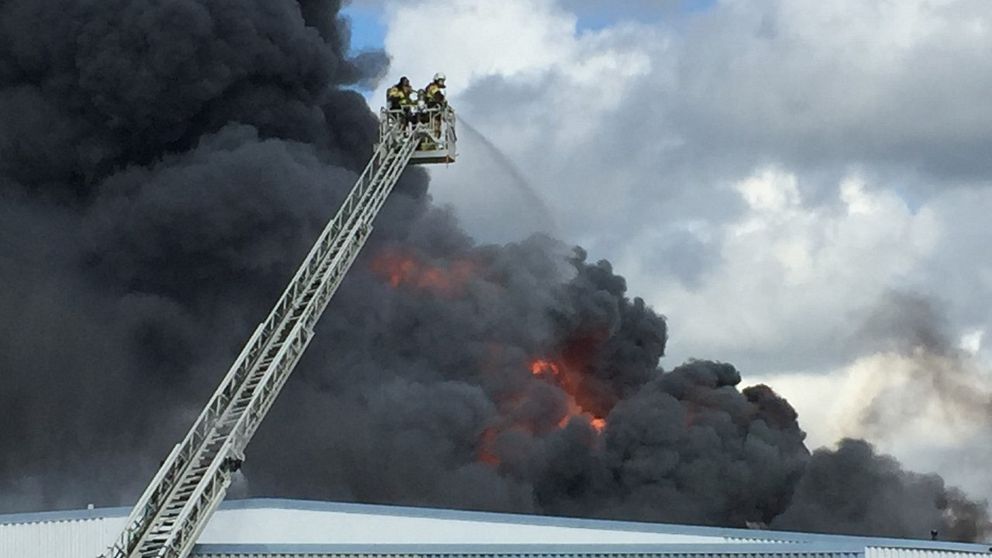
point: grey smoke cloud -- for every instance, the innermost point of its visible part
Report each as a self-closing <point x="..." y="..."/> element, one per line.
<point x="938" y="371"/>
<point x="163" y="170"/>
<point x="846" y="490"/>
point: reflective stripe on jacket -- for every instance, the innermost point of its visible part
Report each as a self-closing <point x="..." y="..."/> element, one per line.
<point x="434" y="93"/>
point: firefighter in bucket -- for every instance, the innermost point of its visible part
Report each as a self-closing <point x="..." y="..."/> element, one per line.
<point x="433" y="101"/>
<point x="425" y="112"/>
<point x="434" y="92"/>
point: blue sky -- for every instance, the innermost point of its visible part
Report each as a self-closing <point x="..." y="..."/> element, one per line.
<point x="602" y="15"/>
<point x="369" y="31"/>
<point x="367" y="28"/>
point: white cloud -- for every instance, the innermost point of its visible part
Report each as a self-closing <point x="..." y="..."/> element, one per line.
<point x="792" y="276"/>
<point x="763" y="173"/>
<point x="770" y="190"/>
<point x="522" y="74"/>
<point x="907" y="404"/>
<point x="469" y="39"/>
<point x="971" y="342"/>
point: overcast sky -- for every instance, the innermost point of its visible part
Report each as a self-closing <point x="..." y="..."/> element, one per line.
<point x="801" y="187"/>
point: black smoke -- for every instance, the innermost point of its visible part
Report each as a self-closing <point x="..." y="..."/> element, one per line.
<point x="165" y="165"/>
<point x="854" y="490"/>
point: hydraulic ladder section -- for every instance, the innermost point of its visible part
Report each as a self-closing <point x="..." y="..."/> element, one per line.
<point x="193" y="479"/>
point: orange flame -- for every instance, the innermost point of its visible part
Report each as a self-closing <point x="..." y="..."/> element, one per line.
<point x="554" y="372"/>
<point x="486" y="452"/>
<point x="402" y="269"/>
<point x="541" y="366"/>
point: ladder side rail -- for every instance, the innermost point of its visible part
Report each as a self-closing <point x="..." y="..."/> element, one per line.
<point x="287" y="301"/>
<point x="305" y="334"/>
<point x="451" y="135"/>
<point x="193" y="532"/>
<point x="312" y="261"/>
<point x="299" y="339"/>
<point x="247" y="388"/>
<point x="334" y="278"/>
<point x="191" y="518"/>
<point x="379" y="199"/>
<point x="355" y="207"/>
<point x="148" y="507"/>
<point x="359" y="229"/>
<point x="380" y="170"/>
<point x="212" y="485"/>
<point x="210" y="489"/>
<point x="403" y="154"/>
<point x="138" y="513"/>
<point x="241" y="369"/>
<point x="206" y="488"/>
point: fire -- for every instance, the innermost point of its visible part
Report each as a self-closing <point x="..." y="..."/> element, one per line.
<point x="542" y="366"/>
<point x="403" y="269"/>
<point x="486" y="452"/>
<point x="555" y="372"/>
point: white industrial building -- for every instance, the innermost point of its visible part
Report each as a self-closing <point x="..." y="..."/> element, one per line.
<point x="297" y="528"/>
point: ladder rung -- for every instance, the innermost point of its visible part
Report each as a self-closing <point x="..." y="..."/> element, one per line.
<point x="217" y="436"/>
<point x="229" y="420"/>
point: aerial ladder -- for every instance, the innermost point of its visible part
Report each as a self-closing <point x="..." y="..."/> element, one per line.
<point x="193" y="479"/>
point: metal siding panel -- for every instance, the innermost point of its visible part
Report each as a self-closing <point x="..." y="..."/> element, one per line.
<point x="704" y="554"/>
<point x="888" y="552"/>
<point x="58" y="539"/>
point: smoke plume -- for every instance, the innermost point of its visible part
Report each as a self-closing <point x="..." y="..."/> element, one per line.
<point x="165" y="166"/>
<point x="937" y="373"/>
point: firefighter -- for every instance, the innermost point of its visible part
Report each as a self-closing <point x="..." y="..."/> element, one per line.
<point x="398" y="96"/>
<point x="434" y="97"/>
<point x="435" y="92"/>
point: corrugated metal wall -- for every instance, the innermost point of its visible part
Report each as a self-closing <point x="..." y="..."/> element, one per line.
<point x="74" y="538"/>
<point x="882" y="552"/>
<point x="303" y="553"/>
<point x="298" y="529"/>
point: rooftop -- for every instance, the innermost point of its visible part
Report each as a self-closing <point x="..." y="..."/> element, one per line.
<point x="274" y="527"/>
